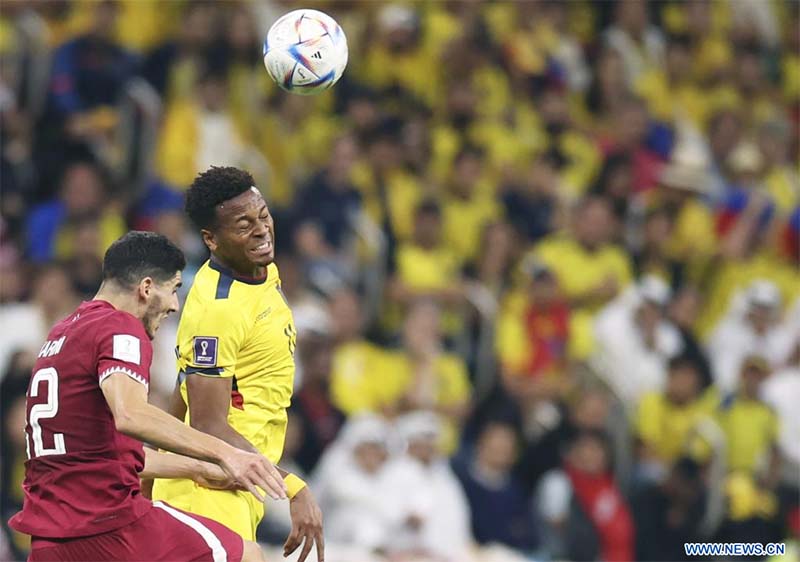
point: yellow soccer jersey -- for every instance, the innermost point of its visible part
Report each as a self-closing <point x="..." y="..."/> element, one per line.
<point x="242" y="328"/>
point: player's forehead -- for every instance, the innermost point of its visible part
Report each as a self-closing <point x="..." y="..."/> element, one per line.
<point x="248" y="204"/>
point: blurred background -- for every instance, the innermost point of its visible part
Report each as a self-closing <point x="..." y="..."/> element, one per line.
<point x="542" y="256"/>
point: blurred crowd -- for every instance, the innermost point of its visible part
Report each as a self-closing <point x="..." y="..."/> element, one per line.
<point x="543" y="256"/>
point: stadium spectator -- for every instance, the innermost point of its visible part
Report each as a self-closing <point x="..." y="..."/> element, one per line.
<point x="83" y="196"/>
<point x="173" y="67"/>
<point x="682" y="184"/>
<point x="468" y="205"/>
<point x="533" y="333"/>
<point x="635" y="340"/>
<point x="24" y="325"/>
<point x="423" y="376"/>
<point x="640" y="44"/>
<point x="585" y="514"/>
<point x="353" y="493"/>
<point x="427" y="503"/>
<point x="542" y="451"/>
<point x="750" y="426"/>
<point x="354" y="388"/>
<point x="683" y="312"/>
<point x="752" y="326"/>
<point x="615" y="181"/>
<point x="198" y="132"/>
<point x="500" y="512"/>
<point x="652" y="257"/>
<point x="608" y="87"/>
<point x="590" y="270"/>
<point x="665" y="421"/>
<point x="90" y="73"/>
<point x="326" y="210"/>
<point x="426" y="267"/>
<point x="778" y="391"/>
<point x="532" y="205"/>
<point x="670" y="513"/>
<point x="318" y="419"/>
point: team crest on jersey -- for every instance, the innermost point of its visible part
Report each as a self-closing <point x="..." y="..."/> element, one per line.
<point x="205" y="351"/>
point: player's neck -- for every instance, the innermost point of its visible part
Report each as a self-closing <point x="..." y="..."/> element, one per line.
<point x="253" y="272"/>
<point x="119" y="299"/>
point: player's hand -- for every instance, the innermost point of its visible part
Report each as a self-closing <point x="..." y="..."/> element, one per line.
<point x="306" y="526"/>
<point x="254" y="471"/>
<point x="210" y="475"/>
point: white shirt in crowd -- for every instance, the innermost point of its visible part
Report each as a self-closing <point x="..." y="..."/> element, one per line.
<point x="22" y="328"/>
<point x="781" y="390"/>
<point x="734" y="339"/>
<point x="622" y="357"/>
<point x="636" y="58"/>
<point x="433" y="494"/>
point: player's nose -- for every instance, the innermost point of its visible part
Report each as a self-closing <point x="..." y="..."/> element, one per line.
<point x="174" y="304"/>
<point x="260" y="230"/>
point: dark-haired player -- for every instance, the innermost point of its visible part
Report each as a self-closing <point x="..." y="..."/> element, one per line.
<point x="87" y="416"/>
<point x="236" y="343"/>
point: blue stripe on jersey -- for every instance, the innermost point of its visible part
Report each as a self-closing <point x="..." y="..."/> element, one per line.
<point x="210" y="371"/>
<point x="223" y="286"/>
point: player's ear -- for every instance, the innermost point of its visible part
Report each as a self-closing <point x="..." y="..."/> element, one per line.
<point x="145" y="287"/>
<point x="208" y="238"/>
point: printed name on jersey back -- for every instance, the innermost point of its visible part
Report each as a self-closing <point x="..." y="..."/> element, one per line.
<point x="53" y="347"/>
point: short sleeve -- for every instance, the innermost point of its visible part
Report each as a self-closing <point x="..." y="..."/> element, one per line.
<point x="210" y="338"/>
<point x="124" y="347"/>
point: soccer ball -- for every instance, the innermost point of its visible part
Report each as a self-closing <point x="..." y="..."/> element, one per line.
<point x="305" y="52"/>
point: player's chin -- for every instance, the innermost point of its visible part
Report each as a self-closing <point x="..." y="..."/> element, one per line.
<point x="264" y="259"/>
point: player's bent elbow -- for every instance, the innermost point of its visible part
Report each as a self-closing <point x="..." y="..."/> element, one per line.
<point x="128" y="421"/>
<point x="124" y="423"/>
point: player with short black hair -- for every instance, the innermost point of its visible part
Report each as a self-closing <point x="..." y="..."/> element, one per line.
<point x="142" y="254"/>
<point x="211" y="188"/>
<point x="87" y="416"/>
<point x="236" y="343"/>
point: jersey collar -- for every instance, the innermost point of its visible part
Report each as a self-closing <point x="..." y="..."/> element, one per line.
<point x="242" y="278"/>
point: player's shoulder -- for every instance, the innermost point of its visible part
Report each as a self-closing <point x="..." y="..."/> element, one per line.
<point x="97" y="318"/>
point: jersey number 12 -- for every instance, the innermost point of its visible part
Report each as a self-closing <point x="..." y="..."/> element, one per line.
<point x="46" y="410"/>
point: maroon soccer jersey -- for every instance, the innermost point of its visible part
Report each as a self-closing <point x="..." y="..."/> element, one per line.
<point x="81" y="477"/>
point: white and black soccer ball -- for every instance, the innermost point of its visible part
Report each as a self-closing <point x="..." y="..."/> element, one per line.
<point x="305" y="52"/>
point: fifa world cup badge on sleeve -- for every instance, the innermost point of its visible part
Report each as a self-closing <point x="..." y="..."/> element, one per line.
<point x="205" y="351"/>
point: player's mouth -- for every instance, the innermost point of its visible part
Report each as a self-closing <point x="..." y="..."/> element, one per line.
<point x="263" y="249"/>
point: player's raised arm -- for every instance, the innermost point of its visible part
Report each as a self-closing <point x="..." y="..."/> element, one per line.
<point x="127" y="399"/>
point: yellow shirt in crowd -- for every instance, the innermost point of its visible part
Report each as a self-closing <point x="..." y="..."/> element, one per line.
<point x="665" y="428"/>
<point x="578" y="271"/>
<point x="751" y="430"/>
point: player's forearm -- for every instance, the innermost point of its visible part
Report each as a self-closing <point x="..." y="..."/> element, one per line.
<point x="152" y="425"/>
<point x="223" y="431"/>
<point x="163" y="465"/>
